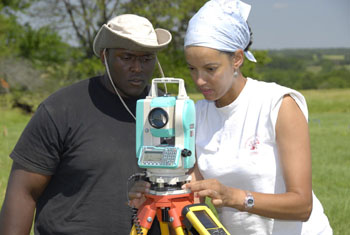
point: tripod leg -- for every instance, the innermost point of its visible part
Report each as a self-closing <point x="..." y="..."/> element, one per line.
<point x="164" y="228"/>
<point x="179" y="231"/>
<point x="143" y="231"/>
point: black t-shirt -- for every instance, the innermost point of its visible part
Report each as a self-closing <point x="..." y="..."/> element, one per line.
<point x="84" y="137"/>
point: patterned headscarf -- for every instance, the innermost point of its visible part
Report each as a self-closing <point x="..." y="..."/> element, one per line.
<point x="221" y="25"/>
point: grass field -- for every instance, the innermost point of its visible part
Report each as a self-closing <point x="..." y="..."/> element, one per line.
<point x="329" y="122"/>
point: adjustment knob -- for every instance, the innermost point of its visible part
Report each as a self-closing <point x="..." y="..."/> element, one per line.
<point x="186" y="153"/>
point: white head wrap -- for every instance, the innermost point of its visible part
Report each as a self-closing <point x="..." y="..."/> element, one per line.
<point x="221" y="25"/>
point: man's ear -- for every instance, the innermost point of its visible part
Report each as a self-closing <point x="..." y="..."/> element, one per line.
<point x="102" y="57"/>
<point x="238" y="58"/>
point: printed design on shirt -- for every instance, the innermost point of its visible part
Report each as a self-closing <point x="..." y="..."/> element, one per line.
<point x="252" y="143"/>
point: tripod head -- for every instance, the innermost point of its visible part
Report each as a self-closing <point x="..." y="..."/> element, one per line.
<point x="165" y="134"/>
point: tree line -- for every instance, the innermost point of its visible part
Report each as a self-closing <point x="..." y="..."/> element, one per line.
<point x="47" y="44"/>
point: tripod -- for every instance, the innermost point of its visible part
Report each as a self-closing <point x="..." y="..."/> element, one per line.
<point x="167" y="208"/>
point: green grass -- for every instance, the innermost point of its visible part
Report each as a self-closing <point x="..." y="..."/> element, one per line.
<point x="328" y="101"/>
<point x="329" y="123"/>
<point x="330" y="138"/>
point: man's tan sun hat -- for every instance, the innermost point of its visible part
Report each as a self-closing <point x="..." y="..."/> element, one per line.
<point x="131" y="32"/>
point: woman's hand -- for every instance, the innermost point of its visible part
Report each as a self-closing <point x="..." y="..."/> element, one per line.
<point x="137" y="193"/>
<point x="220" y="194"/>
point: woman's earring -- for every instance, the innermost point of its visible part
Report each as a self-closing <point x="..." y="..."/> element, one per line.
<point x="235" y="74"/>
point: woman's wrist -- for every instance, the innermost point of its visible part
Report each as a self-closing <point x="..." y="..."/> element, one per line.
<point x="249" y="201"/>
<point x="236" y="198"/>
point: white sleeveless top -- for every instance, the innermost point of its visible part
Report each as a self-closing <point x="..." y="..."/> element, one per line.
<point x="236" y="145"/>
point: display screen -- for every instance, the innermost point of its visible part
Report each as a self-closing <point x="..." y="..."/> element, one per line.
<point x="153" y="156"/>
<point x="205" y="219"/>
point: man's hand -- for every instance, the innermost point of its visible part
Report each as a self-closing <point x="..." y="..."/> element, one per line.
<point x="137" y="193"/>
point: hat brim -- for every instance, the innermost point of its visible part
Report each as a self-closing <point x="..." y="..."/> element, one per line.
<point x="106" y="38"/>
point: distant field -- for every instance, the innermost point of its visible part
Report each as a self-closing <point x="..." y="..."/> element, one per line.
<point x="328" y="101"/>
<point x="329" y="123"/>
<point x="330" y="138"/>
<point x="334" y="57"/>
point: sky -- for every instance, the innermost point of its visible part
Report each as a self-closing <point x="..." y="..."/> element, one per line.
<point x="281" y="24"/>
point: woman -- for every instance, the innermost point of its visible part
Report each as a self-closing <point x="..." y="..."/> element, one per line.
<point x="252" y="141"/>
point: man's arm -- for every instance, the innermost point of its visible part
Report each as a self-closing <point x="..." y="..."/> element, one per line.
<point x="23" y="190"/>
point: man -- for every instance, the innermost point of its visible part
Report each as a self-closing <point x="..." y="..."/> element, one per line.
<point x="72" y="161"/>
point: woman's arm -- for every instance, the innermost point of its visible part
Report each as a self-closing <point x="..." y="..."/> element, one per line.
<point x="292" y="137"/>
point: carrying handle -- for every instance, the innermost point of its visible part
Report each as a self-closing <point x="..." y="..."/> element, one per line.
<point x="181" y="92"/>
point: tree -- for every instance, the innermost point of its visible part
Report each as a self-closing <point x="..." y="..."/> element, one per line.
<point x="10" y="30"/>
<point x="43" y="45"/>
<point x="78" y="20"/>
<point x="81" y="20"/>
<point x="9" y="5"/>
<point x="168" y="14"/>
<point x="251" y="69"/>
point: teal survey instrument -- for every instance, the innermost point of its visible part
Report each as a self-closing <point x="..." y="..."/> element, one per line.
<point x="165" y="134"/>
<point x="165" y="148"/>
